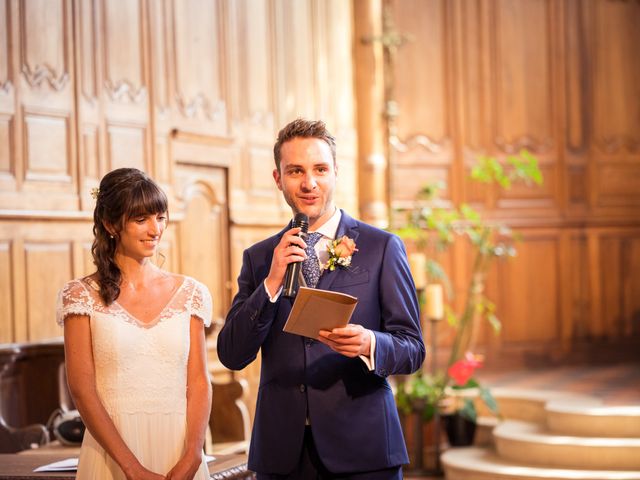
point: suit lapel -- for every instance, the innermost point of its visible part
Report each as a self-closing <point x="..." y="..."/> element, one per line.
<point x="349" y="227"/>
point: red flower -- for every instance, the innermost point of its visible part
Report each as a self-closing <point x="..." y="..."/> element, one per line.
<point x="462" y="370"/>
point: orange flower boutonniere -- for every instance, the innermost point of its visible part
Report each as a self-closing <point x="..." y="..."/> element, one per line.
<point x="340" y="252"/>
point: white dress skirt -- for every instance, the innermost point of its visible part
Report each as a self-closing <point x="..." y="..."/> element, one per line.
<point x="141" y="375"/>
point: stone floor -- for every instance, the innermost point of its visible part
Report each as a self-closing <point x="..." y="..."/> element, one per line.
<point x="617" y="384"/>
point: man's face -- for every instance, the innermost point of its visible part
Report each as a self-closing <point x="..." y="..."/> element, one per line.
<point x="307" y="178"/>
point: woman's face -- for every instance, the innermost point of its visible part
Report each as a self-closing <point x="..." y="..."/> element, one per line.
<point x="140" y="235"/>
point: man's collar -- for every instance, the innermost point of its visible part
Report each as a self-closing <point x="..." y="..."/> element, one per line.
<point x="330" y="227"/>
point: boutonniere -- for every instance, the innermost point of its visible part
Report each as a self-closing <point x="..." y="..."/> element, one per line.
<point x="340" y="252"/>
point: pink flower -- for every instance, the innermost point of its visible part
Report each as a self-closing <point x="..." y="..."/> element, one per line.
<point x="340" y="252"/>
<point x="345" y="247"/>
<point x="462" y="370"/>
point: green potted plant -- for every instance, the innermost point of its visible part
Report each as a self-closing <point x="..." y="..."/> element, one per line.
<point x="432" y="228"/>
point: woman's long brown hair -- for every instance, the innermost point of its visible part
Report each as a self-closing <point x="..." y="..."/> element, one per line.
<point x="124" y="194"/>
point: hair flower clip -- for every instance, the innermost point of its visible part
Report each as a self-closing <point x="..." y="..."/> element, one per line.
<point x="340" y="252"/>
<point x="95" y="191"/>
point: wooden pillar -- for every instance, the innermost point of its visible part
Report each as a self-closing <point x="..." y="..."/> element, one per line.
<point x="373" y="185"/>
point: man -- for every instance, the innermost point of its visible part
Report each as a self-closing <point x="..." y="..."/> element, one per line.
<point x="324" y="408"/>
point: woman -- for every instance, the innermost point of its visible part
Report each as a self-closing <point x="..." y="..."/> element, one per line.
<point x="135" y="344"/>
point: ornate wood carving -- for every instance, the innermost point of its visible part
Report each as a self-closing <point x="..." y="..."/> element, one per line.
<point x="200" y="103"/>
<point x="418" y="141"/>
<point x="42" y="73"/>
<point x="124" y="89"/>
<point x="44" y="58"/>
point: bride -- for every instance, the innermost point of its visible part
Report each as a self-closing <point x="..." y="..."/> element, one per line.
<point x="135" y="344"/>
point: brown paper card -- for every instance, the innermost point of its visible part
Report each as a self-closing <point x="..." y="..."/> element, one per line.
<point x="315" y="310"/>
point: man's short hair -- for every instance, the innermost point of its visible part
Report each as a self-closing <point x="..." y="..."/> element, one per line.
<point x="303" y="128"/>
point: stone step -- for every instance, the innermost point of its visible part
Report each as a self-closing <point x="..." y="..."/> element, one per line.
<point x="569" y="418"/>
<point x="475" y="463"/>
<point x="529" y="405"/>
<point x="531" y="443"/>
<point x="484" y="431"/>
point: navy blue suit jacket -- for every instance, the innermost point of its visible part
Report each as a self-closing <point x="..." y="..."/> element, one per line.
<point x="353" y="416"/>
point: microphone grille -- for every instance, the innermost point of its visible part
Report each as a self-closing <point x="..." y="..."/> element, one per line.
<point x="301" y="220"/>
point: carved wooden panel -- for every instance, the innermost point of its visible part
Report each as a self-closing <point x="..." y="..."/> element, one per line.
<point x="7" y="98"/>
<point x="521" y="49"/>
<point x="46" y="119"/>
<point x="48" y="265"/>
<point x="531" y="279"/>
<point x="47" y="147"/>
<point x="249" y="25"/>
<point x="127" y="146"/>
<point x="125" y="83"/>
<point x="295" y="60"/>
<point x="199" y="91"/>
<point x="616" y="109"/>
<point x="253" y="108"/>
<point x="616" y="119"/>
<point x="6" y="298"/>
<point x="5" y="145"/>
<point x="88" y="43"/>
<point x="203" y="233"/>
<point x="619" y="284"/>
<point x="5" y="81"/>
<point x="422" y="150"/>
<point x="576" y="287"/>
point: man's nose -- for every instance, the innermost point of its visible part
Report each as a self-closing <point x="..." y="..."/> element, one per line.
<point x="309" y="181"/>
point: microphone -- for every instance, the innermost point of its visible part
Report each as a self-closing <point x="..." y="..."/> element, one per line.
<point x="293" y="269"/>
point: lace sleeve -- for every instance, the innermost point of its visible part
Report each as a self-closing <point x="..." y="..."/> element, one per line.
<point x="201" y="303"/>
<point x="73" y="299"/>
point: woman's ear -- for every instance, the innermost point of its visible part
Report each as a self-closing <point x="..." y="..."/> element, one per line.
<point x="109" y="228"/>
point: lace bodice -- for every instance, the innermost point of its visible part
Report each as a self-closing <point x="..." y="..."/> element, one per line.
<point x="139" y="367"/>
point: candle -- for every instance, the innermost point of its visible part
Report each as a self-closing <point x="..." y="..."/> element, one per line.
<point x="418" y="266"/>
<point x="434" y="301"/>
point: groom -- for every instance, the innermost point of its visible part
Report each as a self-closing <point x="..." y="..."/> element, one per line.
<point x="324" y="408"/>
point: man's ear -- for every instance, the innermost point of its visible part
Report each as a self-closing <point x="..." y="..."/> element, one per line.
<point x="277" y="177"/>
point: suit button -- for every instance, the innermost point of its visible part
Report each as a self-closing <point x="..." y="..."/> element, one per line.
<point x="303" y="387"/>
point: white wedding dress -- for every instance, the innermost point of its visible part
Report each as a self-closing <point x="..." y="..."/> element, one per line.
<point x="141" y="375"/>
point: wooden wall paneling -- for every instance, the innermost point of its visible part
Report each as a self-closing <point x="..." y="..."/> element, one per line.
<point x="574" y="289"/>
<point x="424" y="150"/>
<point x="48" y="265"/>
<point x="91" y="134"/>
<point x="46" y="107"/>
<point x="473" y="88"/>
<point x="631" y="285"/>
<point x="203" y="230"/>
<point x="161" y="56"/>
<point x="596" y="324"/>
<point x="332" y="22"/>
<point x="43" y="253"/>
<point x="523" y="100"/>
<point x="370" y="90"/>
<point x="619" y="261"/>
<point x="296" y="83"/>
<point x="611" y="281"/>
<point x="6" y="291"/>
<point x="616" y="107"/>
<point x="7" y="104"/>
<point x="199" y="96"/>
<point x="532" y="279"/>
<point x="125" y="84"/>
<point x="252" y="68"/>
<point x="18" y="290"/>
<point x="574" y="111"/>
